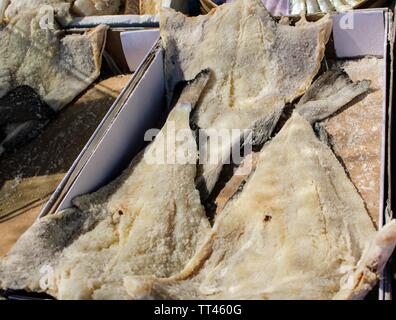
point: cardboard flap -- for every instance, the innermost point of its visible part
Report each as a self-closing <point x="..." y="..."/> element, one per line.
<point x="124" y="138"/>
<point x="359" y="33"/>
<point x="137" y="45"/>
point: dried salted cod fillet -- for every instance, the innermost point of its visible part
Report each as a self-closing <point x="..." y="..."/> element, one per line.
<point x="96" y="7"/>
<point x="78" y="7"/>
<point x="150" y="6"/>
<point x="258" y="65"/>
<point x="295" y="232"/>
<point x="359" y="281"/>
<point x="149" y="221"/>
<point x="59" y="7"/>
<point x="329" y="93"/>
<point x="57" y="67"/>
<point x="132" y="7"/>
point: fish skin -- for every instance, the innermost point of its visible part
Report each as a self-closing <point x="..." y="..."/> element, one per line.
<point x="23" y="115"/>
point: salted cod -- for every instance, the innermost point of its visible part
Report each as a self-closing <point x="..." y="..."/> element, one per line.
<point x="149" y="221"/>
<point x="77" y="7"/>
<point x="259" y="65"/>
<point x="329" y="93"/>
<point x="297" y="230"/>
<point x="298" y="7"/>
<point x="56" y="66"/>
<point x="97" y="7"/>
<point x="110" y="7"/>
<point x="150" y="6"/>
<point x="60" y="8"/>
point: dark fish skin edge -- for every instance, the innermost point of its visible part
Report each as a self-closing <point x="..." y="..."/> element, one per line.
<point x="22" y="106"/>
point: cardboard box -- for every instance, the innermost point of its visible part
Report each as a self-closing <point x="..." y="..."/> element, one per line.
<point x="390" y="283"/>
<point x="120" y="135"/>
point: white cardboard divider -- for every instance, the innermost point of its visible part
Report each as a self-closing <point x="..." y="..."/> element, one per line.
<point x="124" y="137"/>
<point x="137" y="45"/>
<point x="115" y="21"/>
<point x="359" y="33"/>
<point x="53" y="199"/>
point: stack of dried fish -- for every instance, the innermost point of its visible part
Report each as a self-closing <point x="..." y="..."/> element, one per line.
<point x="297" y="7"/>
<point x="296" y="228"/>
<point x="11" y="8"/>
<point x="111" y="7"/>
<point x="315" y="6"/>
<point x="276" y="7"/>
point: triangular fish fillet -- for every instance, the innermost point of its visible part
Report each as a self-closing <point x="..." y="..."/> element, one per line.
<point x="57" y="66"/>
<point x="328" y="94"/>
<point x="150" y="221"/>
<point x="298" y="230"/>
<point x="258" y="66"/>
